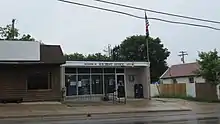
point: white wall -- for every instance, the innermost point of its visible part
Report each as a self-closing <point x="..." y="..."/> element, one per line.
<point x="191" y="89"/>
<point x="218" y="90"/>
<point x="130" y="85"/>
<point x="183" y="80"/>
<point x="199" y="80"/>
<point x="140" y="78"/>
<point x="154" y="90"/>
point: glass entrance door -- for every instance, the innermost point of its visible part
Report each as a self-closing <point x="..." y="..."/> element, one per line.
<point x="121" y="86"/>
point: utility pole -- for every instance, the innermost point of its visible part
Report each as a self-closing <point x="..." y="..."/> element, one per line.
<point x="13" y="29"/>
<point x="148" y="57"/>
<point x="182" y="55"/>
<point x="108" y="50"/>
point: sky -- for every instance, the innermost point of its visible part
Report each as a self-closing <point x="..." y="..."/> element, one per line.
<point x="86" y="30"/>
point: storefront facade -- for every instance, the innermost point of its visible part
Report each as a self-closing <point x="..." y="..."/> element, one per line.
<point x="94" y="79"/>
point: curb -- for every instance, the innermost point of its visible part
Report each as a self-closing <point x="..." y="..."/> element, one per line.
<point x="182" y="120"/>
<point x="92" y="113"/>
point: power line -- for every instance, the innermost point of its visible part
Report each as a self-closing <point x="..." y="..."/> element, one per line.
<point x="128" y="14"/>
<point x="159" y="12"/>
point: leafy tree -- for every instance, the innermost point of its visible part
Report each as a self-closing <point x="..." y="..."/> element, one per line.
<point x="74" y="56"/>
<point x="27" y="38"/>
<point x="134" y="49"/>
<point x="97" y="57"/>
<point x="7" y="33"/>
<point x="209" y="66"/>
<point x="90" y="57"/>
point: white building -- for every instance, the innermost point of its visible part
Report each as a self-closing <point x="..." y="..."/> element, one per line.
<point x="94" y="79"/>
<point x="182" y="73"/>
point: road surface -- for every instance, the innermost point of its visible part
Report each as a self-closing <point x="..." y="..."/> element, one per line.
<point x="149" y="118"/>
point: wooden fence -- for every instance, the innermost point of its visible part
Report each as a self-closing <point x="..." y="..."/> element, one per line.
<point x="172" y="89"/>
<point x="206" y="91"/>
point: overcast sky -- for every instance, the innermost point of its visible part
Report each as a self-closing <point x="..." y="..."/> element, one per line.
<point x="86" y="30"/>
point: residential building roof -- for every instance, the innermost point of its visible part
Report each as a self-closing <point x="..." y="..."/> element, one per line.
<point x="181" y="70"/>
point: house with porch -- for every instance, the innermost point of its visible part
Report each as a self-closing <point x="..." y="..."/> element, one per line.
<point x="30" y="71"/>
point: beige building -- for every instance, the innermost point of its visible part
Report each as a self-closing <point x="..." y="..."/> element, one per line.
<point x="182" y="73"/>
<point x="91" y="80"/>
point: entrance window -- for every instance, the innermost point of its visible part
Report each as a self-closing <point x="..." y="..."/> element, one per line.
<point x="109" y="83"/>
<point x="97" y="84"/>
<point x="39" y="81"/>
<point x="71" y="85"/>
<point x="84" y="84"/>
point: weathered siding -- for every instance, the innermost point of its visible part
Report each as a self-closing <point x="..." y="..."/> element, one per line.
<point x="13" y="82"/>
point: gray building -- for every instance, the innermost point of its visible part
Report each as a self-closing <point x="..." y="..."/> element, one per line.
<point x="94" y="79"/>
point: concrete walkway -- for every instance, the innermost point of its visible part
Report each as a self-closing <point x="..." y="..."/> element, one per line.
<point x="198" y="107"/>
<point x="26" y="110"/>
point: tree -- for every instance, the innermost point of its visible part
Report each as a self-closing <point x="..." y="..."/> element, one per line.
<point x="90" y="57"/>
<point x="7" y="33"/>
<point x="74" y="56"/>
<point x="209" y="66"/>
<point x="134" y="49"/>
<point x="27" y="38"/>
<point x="97" y="57"/>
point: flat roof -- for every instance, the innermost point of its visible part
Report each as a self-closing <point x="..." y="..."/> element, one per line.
<point x="105" y="64"/>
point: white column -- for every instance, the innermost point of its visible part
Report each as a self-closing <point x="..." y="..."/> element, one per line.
<point x="145" y="81"/>
<point x="90" y="81"/>
<point x="62" y="80"/>
<point x="148" y="82"/>
<point x="125" y="84"/>
<point x="62" y="77"/>
<point x="103" y="81"/>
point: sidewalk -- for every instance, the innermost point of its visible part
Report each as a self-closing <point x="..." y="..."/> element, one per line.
<point x="198" y="107"/>
<point x="52" y="110"/>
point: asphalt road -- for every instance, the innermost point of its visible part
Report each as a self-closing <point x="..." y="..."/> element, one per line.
<point x="149" y="118"/>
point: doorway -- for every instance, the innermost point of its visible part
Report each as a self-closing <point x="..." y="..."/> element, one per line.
<point x="120" y="85"/>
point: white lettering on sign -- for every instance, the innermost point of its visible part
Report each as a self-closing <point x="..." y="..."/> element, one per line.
<point x="108" y="64"/>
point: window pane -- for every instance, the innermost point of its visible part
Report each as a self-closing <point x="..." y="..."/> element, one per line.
<point x="83" y="85"/>
<point x="120" y="70"/>
<point x="70" y="70"/>
<point x="38" y="81"/>
<point x="109" y="81"/>
<point x="83" y="70"/>
<point x="109" y="70"/>
<point x="97" y="70"/>
<point x="71" y="85"/>
<point x="97" y="84"/>
<point x="191" y="80"/>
